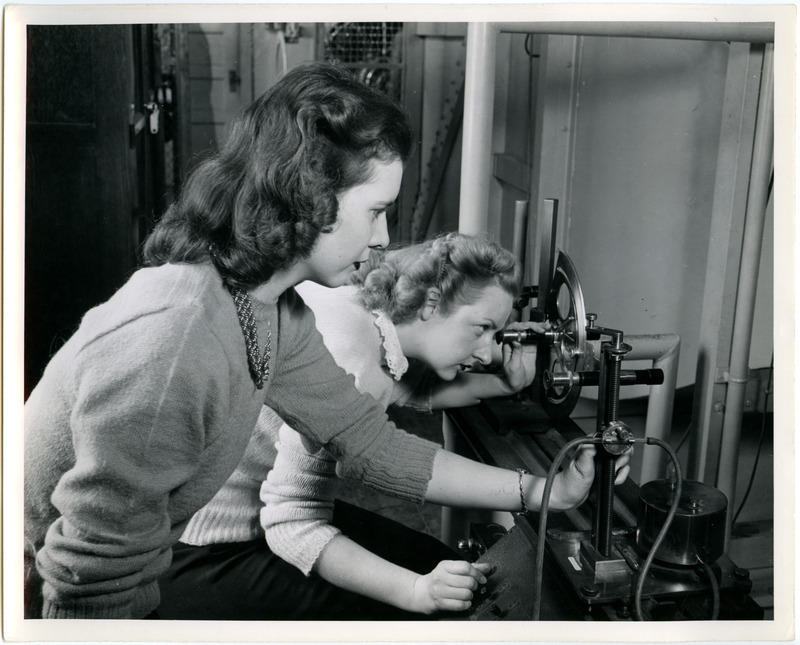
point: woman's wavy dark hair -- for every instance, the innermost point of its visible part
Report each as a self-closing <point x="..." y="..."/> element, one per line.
<point x="459" y="266"/>
<point x="264" y="198"/>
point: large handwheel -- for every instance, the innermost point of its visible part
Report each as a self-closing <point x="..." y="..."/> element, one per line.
<point x="567" y="350"/>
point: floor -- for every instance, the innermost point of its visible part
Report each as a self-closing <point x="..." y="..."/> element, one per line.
<point x="751" y="545"/>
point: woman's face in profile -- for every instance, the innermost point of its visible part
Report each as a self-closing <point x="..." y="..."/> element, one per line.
<point x="361" y="225"/>
<point x="453" y="343"/>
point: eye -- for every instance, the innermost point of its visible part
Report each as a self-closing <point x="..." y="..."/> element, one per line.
<point x="385" y="210"/>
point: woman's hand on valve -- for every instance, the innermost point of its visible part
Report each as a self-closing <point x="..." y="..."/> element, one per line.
<point x="573" y="484"/>
<point x="519" y="359"/>
<point x="449" y="587"/>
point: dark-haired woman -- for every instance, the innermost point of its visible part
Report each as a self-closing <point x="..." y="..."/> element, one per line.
<point x="145" y="412"/>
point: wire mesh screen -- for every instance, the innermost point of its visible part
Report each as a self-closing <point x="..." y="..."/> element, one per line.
<point x="372" y="49"/>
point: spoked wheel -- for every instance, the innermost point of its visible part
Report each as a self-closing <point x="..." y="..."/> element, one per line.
<point x="567" y="350"/>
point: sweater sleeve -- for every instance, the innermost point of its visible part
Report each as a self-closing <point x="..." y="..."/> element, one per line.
<point x="319" y="399"/>
<point x="139" y="425"/>
<point x="298" y="499"/>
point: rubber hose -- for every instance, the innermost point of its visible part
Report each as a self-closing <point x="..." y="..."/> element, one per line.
<point x="637" y="596"/>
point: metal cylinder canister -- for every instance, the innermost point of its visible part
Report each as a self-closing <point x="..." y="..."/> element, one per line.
<point x="697" y="532"/>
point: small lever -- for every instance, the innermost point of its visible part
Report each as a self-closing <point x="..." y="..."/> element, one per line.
<point x="154" y="110"/>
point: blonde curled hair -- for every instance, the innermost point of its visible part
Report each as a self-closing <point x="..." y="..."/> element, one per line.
<point x="458" y="266"/>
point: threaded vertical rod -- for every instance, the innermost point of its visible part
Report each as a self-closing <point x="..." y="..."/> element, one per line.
<point x="613" y="369"/>
<point x="606" y="471"/>
<point x="605" y="500"/>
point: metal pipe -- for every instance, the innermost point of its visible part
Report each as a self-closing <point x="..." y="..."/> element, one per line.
<point x="755" y="215"/>
<point x="476" y="149"/>
<point x="754" y="32"/>
<point x="664" y="351"/>
<point x="734" y="160"/>
<point x="479" y="88"/>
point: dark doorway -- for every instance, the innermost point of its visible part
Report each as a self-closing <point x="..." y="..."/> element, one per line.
<point x="94" y="176"/>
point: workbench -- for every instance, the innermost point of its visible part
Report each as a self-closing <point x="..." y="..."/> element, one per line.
<point x="518" y="434"/>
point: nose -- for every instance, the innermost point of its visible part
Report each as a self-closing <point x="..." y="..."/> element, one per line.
<point x="484" y="352"/>
<point x="380" y="233"/>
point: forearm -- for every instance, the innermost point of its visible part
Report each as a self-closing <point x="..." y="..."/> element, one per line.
<point x="102" y="591"/>
<point x="102" y="557"/>
<point x="350" y="566"/>
<point x="298" y="501"/>
<point x="317" y="398"/>
<point x="468" y="389"/>
<point x="461" y="482"/>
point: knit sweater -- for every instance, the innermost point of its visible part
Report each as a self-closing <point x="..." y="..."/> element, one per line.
<point x="361" y="342"/>
<point x="143" y="415"/>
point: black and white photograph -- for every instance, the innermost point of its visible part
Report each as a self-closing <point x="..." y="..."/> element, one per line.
<point x="473" y="325"/>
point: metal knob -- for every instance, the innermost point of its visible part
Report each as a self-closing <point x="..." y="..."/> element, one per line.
<point x="617" y="438"/>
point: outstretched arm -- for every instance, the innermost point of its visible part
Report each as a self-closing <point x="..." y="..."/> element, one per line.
<point x="298" y="497"/>
<point x="458" y="481"/>
<point x="449" y="587"/>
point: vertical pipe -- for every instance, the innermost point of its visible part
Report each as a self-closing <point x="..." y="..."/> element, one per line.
<point x="476" y="173"/>
<point x="748" y="279"/>
<point x="476" y="151"/>
<point x="734" y="161"/>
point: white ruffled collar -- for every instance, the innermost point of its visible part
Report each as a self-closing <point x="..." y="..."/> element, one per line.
<point x="393" y="352"/>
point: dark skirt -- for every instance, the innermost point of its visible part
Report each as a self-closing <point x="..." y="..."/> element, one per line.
<point x="246" y="581"/>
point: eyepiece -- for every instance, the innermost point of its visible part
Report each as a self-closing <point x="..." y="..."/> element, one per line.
<point x="523" y="336"/>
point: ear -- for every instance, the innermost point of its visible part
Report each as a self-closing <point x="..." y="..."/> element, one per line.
<point x="431" y="302"/>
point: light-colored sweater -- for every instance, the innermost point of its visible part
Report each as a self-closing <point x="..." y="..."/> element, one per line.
<point x="143" y="415"/>
<point x="299" y="490"/>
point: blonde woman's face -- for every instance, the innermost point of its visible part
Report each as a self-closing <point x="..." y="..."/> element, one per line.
<point x="361" y="225"/>
<point x="453" y="343"/>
